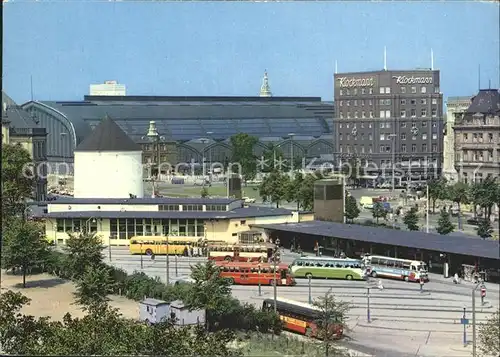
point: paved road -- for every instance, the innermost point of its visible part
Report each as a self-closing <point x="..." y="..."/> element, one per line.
<point x="404" y="321"/>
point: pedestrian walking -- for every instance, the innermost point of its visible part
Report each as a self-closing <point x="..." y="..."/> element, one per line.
<point x="380" y="285"/>
<point x="422" y="285"/>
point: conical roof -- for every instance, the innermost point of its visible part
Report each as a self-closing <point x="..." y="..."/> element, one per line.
<point x="108" y="136"/>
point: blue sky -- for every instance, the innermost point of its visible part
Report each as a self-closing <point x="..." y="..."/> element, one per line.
<point x="216" y="48"/>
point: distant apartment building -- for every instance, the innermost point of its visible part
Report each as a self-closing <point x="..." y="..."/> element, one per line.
<point x="19" y="127"/>
<point x="108" y="88"/>
<point x="390" y="116"/>
<point x="477" y="138"/>
<point x="455" y="107"/>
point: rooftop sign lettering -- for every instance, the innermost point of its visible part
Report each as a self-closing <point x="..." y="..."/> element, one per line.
<point x="345" y="82"/>
<point x="412" y="80"/>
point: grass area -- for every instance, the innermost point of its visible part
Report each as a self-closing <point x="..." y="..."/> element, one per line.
<point x="216" y="191"/>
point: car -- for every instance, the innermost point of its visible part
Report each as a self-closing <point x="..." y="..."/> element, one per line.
<point x="183" y="280"/>
<point x="248" y="200"/>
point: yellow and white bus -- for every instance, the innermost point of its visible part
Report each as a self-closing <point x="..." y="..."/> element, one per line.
<point x="158" y="245"/>
<point x="241" y="252"/>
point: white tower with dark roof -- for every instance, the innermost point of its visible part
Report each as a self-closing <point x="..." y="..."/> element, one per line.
<point x="108" y="164"/>
<point x="265" y="89"/>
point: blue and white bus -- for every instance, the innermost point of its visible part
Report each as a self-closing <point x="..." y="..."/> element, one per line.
<point x="395" y="268"/>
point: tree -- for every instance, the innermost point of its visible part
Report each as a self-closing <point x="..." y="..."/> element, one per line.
<point x="484" y="229"/>
<point x="292" y="193"/>
<point x="379" y="211"/>
<point x="204" y="192"/>
<point x="25" y="247"/>
<point x="483" y="194"/>
<point x="93" y="288"/>
<point x="273" y="187"/>
<point x="210" y="291"/>
<point x="410" y="219"/>
<point x="459" y="193"/>
<point x="352" y="210"/>
<point x="18" y="182"/>
<point x="489" y="335"/>
<point x="436" y="189"/>
<point x="83" y="250"/>
<point x="331" y="315"/>
<point x="306" y="192"/>
<point x="444" y="223"/>
<point x="242" y="152"/>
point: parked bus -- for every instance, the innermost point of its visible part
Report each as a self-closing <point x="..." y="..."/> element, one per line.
<point x="328" y="268"/>
<point x="404" y="269"/>
<point x="241" y="252"/>
<point x="254" y="273"/>
<point x="158" y="245"/>
<point x="301" y="317"/>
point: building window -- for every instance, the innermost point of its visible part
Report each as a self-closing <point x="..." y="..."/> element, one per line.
<point x="341" y="103"/>
<point x="340" y="148"/>
<point x="423" y="90"/>
<point x="434" y="124"/>
<point x="402" y="113"/>
<point x="355" y="114"/>
<point x="381" y="101"/>
<point x="192" y="208"/>
<point x="355" y="102"/>
<point x="382" y="137"/>
<point x="382" y="148"/>
<point x="355" y="91"/>
<point x="424" y="124"/>
<point x="424" y="147"/>
<point x="348" y="116"/>
<point x="370" y="149"/>
<point x="413" y="102"/>
<point x="387" y="113"/>
<point x="347" y="92"/>
<point x="403" y="89"/>
<point x="370" y="102"/>
<point x="403" y="101"/>
<point x="423" y="113"/>
<point x="369" y="125"/>
<point x="341" y="116"/>
<point x="423" y="101"/>
<point x="347" y="125"/>
<point x="341" y="92"/>
<point x="403" y="124"/>
<point x="388" y="125"/>
<point x="363" y="91"/>
<point x="382" y="114"/>
<point x="362" y="124"/>
<point x="413" y="125"/>
<point x="434" y="101"/>
<point x="60" y="225"/>
<point x="370" y="90"/>
<point x="382" y="90"/>
<point x="403" y="136"/>
<point x="216" y="208"/>
<point x="348" y="103"/>
<point x="414" y="89"/>
<point x="434" y="136"/>
<point x="371" y="114"/>
<point x="434" y="112"/>
<point x="434" y="147"/>
<point x="490" y="137"/>
<point x="436" y="89"/>
<point x="363" y="114"/>
<point x="168" y="207"/>
<point x="424" y="136"/>
<point x="382" y="125"/>
<point x="340" y="136"/>
<point x="387" y="90"/>
<point x="413" y="147"/>
<point x="362" y="149"/>
<point x="340" y="125"/>
<point x="362" y="136"/>
<point x="403" y="148"/>
<point x="466" y="137"/>
<point x="362" y="102"/>
<point x="370" y="136"/>
<point x="413" y="113"/>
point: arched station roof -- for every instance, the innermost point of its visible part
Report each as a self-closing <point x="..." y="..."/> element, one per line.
<point x="188" y="118"/>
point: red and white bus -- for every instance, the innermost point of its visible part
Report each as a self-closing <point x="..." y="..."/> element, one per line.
<point x="241" y="252"/>
<point x="243" y="273"/>
<point x="302" y="318"/>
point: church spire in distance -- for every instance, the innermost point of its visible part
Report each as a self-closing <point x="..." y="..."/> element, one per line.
<point x="265" y="90"/>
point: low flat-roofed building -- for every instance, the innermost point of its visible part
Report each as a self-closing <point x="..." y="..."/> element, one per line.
<point x="118" y="220"/>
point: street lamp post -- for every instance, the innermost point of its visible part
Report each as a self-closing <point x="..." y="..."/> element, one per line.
<point x="474" y="345"/>
<point x="209" y="133"/>
<point x="368" y="317"/>
<point x="167" y="264"/>
<point x="291" y="135"/>
<point x="393" y="159"/>
<point x="427" y="208"/>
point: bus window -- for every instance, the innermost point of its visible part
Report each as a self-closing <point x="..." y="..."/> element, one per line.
<point x="283" y="274"/>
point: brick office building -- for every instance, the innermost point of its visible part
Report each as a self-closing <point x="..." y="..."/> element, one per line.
<point x="390" y="116"/>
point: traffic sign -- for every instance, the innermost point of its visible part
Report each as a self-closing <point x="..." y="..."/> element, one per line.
<point x="464" y="321"/>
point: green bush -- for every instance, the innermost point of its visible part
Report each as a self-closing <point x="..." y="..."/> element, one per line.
<point x="230" y="314"/>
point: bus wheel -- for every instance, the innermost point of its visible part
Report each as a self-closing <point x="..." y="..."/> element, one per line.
<point x="228" y="259"/>
<point x="349" y="277"/>
<point x="374" y="274"/>
<point x="407" y="279"/>
<point x="230" y="280"/>
<point x="149" y="252"/>
<point x="309" y="276"/>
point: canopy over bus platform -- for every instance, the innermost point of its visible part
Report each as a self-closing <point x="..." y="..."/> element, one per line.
<point x="464" y="245"/>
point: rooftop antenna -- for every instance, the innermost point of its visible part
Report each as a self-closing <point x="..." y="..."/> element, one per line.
<point x="432" y="60"/>
<point x="479" y="77"/>
<point x="336" y="67"/>
<point x="385" y="58"/>
<point x="31" y="86"/>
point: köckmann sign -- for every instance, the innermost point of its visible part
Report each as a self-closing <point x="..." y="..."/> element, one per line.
<point x="346" y="82"/>
<point x="412" y="80"/>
